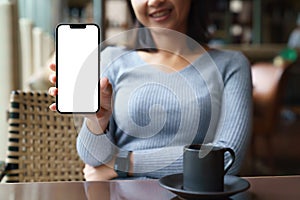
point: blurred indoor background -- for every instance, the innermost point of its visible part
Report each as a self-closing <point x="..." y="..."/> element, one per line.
<point x="259" y="28"/>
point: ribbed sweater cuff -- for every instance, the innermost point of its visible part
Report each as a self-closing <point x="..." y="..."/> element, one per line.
<point x="149" y="161"/>
<point x="94" y="149"/>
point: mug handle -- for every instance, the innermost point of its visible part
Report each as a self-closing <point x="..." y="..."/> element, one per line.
<point x="231" y="161"/>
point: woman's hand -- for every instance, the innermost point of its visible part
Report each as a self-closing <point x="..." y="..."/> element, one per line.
<point x="105" y="171"/>
<point x="98" y="122"/>
<point x="52" y="90"/>
<point x="101" y="173"/>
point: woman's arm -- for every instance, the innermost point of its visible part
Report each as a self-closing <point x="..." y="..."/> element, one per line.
<point x="235" y="128"/>
<point x="95" y="149"/>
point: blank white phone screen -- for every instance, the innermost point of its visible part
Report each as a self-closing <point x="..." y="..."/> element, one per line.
<point x="77" y="57"/>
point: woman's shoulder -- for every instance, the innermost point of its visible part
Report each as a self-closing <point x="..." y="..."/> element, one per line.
<point x="227" y="54"/>
<point x="230" y="62"/>
<point x="113" y="50"/>
<point x="229" y="58"/>
<point x="111" y="53"/>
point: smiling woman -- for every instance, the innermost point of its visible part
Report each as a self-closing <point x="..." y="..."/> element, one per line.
<point x="166" y="91"/>
<point x="164" y="14"/>
<point x="189" y="17"/>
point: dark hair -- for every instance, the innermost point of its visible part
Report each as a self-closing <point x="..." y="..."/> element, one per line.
<point x="197" y="21"/>
<point x="197" y="25"/>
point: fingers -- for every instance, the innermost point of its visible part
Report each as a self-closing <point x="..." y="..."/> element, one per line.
<point x="89" y="172"/>
<point x="105" y="86"/>
<point x="53" y="107"/>
<point x="52" y="91"/>
<point x="87" y="168"/>
<point x="103" y="83"/>
<point x="52" y="66"/>
<point x="52" y="78"/>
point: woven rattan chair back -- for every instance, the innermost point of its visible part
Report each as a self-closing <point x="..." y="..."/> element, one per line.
<point x="42" y="143"/>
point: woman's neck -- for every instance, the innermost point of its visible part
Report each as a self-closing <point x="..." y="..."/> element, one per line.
<point x="176" y="42"/>
<point x="175" y="50"/>
<point x="169" y="61"/>
<point x="170" y="41"/>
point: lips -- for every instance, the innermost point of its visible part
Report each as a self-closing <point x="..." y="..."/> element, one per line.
<point x="161" y="14"/>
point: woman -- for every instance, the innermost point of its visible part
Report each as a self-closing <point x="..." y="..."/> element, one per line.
<point x="167" y="92"/>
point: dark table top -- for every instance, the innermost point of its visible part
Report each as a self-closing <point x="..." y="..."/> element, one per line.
<point x="262" y="188"/>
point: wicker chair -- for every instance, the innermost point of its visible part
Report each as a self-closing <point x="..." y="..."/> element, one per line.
<point x="41" y="143"/>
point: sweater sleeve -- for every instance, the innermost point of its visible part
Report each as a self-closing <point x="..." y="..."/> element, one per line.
<point x="234" y="129"/>
<point x="95" y="149"/>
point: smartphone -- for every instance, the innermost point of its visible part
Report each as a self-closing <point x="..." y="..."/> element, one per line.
<point x="77" y="68"/>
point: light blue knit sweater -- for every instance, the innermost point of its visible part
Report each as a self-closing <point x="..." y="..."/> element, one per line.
<point x="156" y="112"/>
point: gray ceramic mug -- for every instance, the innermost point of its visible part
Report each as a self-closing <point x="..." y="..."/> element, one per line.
<point x="203" y="167"/>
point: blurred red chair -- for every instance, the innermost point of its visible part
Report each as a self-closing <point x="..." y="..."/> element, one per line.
<point x="269" y="81"/>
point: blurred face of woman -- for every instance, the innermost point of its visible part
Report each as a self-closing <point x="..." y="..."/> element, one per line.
<point x="171" y="14"/>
